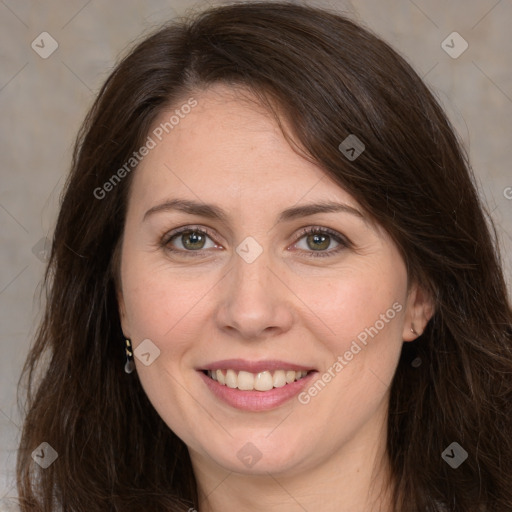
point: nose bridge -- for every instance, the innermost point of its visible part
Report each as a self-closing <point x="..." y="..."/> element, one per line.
<point x="253" y="300"/>
<point x="252" y="270"/>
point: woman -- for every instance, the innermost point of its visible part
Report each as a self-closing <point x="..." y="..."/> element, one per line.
<point x="272" y="286"/>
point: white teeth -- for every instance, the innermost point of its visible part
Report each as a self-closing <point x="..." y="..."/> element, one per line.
<point x="262" y="381"/>
<point x="231" y="379"/>
<point x="279" y="379"/>
<point x="290" y="376"/>
<point x="245" y="381"/>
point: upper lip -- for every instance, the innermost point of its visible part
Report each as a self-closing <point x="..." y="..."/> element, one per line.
<point x="254" y="366"/>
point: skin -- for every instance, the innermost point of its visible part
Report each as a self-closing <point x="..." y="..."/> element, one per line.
<point x="323" y="455"/>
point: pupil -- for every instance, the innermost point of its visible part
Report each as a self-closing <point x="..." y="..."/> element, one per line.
<point x="319" y="238"/>
<point x="194" y="237"/>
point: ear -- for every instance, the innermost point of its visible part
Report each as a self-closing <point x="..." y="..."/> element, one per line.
<point x="116" y="274"/>
<point x="122" y="312"/>
<point x="419" y="310"/>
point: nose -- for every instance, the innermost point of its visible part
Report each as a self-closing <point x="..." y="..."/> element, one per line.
<point x="254" y="302"/>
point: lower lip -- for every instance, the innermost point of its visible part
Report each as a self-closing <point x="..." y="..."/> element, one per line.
<point x="256" y="400"/>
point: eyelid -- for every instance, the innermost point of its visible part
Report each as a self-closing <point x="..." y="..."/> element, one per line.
<point x="178" y="231"/>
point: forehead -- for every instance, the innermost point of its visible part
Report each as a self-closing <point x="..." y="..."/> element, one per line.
<point x="227" y="146"/>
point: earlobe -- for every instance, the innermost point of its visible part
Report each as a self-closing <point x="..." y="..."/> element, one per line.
<point x="420" y="309"/>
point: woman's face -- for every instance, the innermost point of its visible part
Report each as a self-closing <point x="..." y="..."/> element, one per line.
<point x="258" y="296"/>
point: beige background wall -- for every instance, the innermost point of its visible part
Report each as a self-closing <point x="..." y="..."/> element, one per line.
<point x="42" y="102"/>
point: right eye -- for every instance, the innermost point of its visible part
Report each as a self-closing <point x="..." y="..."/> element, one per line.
<point x="191" y="239"/>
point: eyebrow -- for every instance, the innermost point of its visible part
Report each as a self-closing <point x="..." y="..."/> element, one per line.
<point x="214" y="212"/>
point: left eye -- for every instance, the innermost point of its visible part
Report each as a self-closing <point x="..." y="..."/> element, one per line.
<point x="319" y="239"/>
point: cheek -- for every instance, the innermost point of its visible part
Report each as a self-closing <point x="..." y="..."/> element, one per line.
<point x="163" y="308"/>
<point x="158" y="300"/>
<point x="360" y="353"/>
<point x="351" y="304"/>
<point x="165" y="304"/>
<point x="358" y="318"/>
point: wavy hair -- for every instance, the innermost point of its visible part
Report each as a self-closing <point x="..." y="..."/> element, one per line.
<point x="328" y="77"/>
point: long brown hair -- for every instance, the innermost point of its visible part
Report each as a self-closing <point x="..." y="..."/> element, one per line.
<point x="329" y="78"/>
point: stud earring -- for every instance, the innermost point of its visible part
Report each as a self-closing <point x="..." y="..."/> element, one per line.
<point x="413" y="331"/>
<point x="129" y="365"/>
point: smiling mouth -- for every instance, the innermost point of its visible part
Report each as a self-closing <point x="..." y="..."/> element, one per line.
<point x="261" y="381"/>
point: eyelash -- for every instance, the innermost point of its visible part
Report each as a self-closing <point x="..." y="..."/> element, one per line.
<point x="343" y="243"/>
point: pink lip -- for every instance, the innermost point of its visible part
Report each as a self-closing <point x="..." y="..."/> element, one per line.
<point x="256" y="401"/>
<point x="254" y="366"/>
